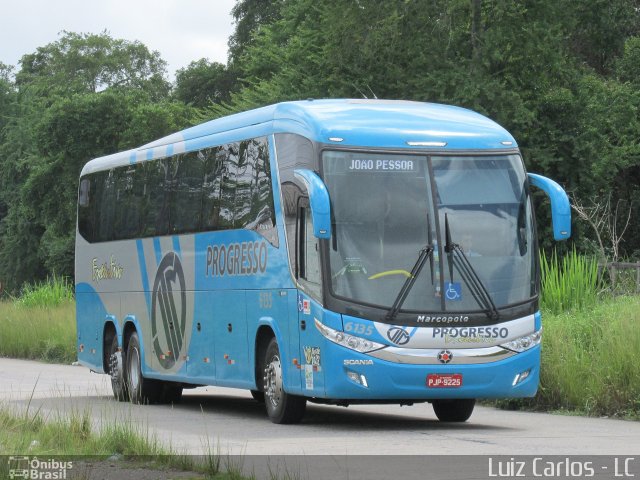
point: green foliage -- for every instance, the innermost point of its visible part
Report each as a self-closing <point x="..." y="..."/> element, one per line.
<point x="73" y="434"/>
<point x="250" y="16"/>
<point x="55" y="291"/>
<point x="31" y="329"/>
<point x="76" y="434"/>
<point x="562" y="76"/>
<point x="89" y="63"/>
<point x="203" y="83"/>
<point x="568" y="284"/>
<point x="628" y="67"/>
<point x="81" y="97"/>
<point x="582" y="367"/>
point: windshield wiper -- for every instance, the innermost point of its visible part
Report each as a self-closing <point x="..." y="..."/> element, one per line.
<point x="458" y="259"/>
<point x="425" y="252"/>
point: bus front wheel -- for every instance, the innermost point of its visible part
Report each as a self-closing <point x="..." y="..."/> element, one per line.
<point x="458" y="410"/>
<point x="141" y="390"/>
<point x="281" y="406"/>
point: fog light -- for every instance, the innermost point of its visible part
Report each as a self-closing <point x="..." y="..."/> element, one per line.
<point x="521" y="377"/>
<point x="357" y="378"/>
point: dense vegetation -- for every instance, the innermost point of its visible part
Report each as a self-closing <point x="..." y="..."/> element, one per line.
<point x="563" y="76"/>
<point x="40" y="323"/>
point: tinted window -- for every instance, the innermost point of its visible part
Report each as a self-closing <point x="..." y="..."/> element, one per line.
<point x="211" y="188"/>
<point x="128" y="193"/>
<point x="86" y="208"/>
<point x="186" y="195"/>
<point x="229" y="158"/>
<point x="244" y="183"/>
<point x="262" y="218"/>
<point x="157" y="182"/>
<point x="105" y="190"/>
<point x="216" y="188"/>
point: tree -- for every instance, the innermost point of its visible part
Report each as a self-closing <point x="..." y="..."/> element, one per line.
<point x="250" y="16"/>
<point x="204" y="82"/>
<point x="78" y="98"/>
<point x="8" y="96"/>
<point x="88" y="63"/>
<point x="560" y="75"/>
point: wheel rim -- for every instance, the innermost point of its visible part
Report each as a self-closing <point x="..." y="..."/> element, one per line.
<point x="134" y="369"/>
<point x="273" y="381"/>
<point x="115" y="367"/>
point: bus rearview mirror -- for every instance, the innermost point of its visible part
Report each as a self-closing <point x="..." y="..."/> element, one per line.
<point x="560" y="207"/>
<point x="318" y="202"/>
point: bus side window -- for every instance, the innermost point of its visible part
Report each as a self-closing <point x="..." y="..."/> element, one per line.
<point x="186" y="194"/>
<point x="156" y="205"/>
<point x="86" y="208"/>
<point x="106" y="189"/>
<point x="309" y="256"/>
<point x="229" y="156"/>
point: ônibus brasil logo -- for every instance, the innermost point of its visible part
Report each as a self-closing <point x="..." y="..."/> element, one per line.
<point x="168" y="311"/>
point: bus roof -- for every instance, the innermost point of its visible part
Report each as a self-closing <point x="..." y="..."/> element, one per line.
<point x="397" y="124"/>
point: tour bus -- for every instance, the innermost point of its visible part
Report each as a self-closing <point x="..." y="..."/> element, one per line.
<point x="328" y="251"/>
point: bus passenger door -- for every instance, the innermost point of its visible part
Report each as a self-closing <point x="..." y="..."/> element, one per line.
<point x="309" y="306"/>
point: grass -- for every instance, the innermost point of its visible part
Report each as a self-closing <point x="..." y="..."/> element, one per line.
<point x="47" y="334"/>
<point x="590" y="362"/>
<point x="52" y="293"/>
<point x="590" y="345"/>
<point x="568" y="284"/>
<point x="73" y="435"/>
<point x="591" y="342"/>
<point x="41" y="323"/>
<point x="591" y="359"/>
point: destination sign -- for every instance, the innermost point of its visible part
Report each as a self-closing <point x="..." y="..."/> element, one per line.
<point x="382" y="165"/>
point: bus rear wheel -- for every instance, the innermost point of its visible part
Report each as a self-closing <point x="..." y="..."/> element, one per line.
<point x="458" y="410"/>
<point x="281" y="406"/>
<point x="141" y="390"/>
<point x="116" y="372"/>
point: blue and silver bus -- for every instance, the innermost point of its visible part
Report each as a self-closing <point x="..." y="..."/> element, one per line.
<point x="327" y="251"/>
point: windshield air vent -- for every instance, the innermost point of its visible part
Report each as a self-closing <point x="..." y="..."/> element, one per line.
<point x="427" y="144"/>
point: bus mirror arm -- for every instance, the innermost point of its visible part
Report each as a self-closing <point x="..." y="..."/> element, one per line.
<point x="560" y="206"/>
<point x="318" y="202"/>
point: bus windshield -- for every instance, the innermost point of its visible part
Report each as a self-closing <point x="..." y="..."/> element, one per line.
<point x="388" y="207"/>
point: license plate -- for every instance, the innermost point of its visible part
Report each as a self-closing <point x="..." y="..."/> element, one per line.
<point x="444" y="380"/>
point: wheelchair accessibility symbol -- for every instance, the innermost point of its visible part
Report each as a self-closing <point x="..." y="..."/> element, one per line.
<point x="453" y="291"/>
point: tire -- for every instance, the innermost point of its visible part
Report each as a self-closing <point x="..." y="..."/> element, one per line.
<point x="141" y="390"/>
<point x="258" y="396"/>
<point x="454" y="410"/>
<point x="117" y="372"/>
<point x="281" y="407"/>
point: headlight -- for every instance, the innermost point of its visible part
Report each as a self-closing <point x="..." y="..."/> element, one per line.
<point x="524" y="343"/>
<point x="358" y="344"/>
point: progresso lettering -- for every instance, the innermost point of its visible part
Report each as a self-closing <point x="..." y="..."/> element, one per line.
<point x="382" y="165"/>
<point x="246" y="258"/>
<point x="471" y="332"/>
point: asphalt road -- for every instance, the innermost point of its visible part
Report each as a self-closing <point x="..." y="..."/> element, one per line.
<point x="230" y="421"/>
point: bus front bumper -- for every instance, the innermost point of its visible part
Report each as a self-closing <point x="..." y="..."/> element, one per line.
<point x="348" y="374"/>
